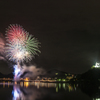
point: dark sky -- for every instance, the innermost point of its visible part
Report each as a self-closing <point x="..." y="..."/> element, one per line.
<point x="69" y="31"/>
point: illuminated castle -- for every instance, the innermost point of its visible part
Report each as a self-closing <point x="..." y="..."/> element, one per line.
<point x="97" y="65"/>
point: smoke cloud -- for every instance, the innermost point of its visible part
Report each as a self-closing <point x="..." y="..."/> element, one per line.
<point x="30" y="71"/>
<point x="2" y="47"/>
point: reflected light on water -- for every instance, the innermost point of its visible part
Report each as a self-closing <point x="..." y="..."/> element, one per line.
<point x="16" y="93"/>
<point x="29" y="90"/>
<point x="64" y="86"/>
<point x="56" y="89"/>
<point x="35" y="90"/>
<point x="57" y="86"/>
<point x="8" y="84"/>
<point x="3" y="84"/>
<point x="23" y="90"/>
<point x="26" y="84"/>
<point x="21" y="84"/>
<point x="70" y="88"/>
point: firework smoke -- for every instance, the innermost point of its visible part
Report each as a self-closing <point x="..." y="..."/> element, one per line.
<point x="28" y="71"/>
<point x="33" y="72"/>
<point x="2" y="47"/>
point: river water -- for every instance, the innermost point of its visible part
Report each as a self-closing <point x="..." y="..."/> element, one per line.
<point x="48" y="91"/>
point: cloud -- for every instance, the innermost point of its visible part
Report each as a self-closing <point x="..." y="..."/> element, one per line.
<point x="2" y="47"/>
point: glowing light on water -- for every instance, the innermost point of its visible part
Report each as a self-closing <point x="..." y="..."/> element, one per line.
<point x="16" y="93"/>
<point x="26" y="84"/>
<point x="56" y="89"/>
<point x="64" y="85"/>
<point x="59" y="85"/>
<point x="70" y="88"/>
<point x="3" y="84"/>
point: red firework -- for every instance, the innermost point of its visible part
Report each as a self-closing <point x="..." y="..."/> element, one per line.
<point x="16" y="33"/>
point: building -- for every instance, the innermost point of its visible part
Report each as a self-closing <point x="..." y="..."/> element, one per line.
<point x="97" y="65"/>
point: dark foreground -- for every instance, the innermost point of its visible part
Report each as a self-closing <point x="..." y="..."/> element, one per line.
<point x="48" y="91"/>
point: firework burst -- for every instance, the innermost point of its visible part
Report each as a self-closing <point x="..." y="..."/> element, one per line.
<point x="20" y="45"/>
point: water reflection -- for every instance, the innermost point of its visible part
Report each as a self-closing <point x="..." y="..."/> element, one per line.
<point x="92" y="90"/>
<point x="58" y="86"/>
<point x="16" y="93"/>
<point x="34" y="90"/>
<point x="48" y="91"/>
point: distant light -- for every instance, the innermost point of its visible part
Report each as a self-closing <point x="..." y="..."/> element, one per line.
<point x="65" y="74"/>
<point x="63" y="80"/>
<point x="26" y="79"/>
<point x="59" y="79"/>
<point x="56" y="73"/>
<point x="97" y="65"/>
<point x="97" y="99"/>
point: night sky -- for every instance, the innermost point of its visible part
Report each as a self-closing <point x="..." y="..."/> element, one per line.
<point x="69" y="31"/>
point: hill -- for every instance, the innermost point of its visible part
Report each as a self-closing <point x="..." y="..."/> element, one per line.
<point x="6" y="75"/>
<point x="92" y="75"/>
